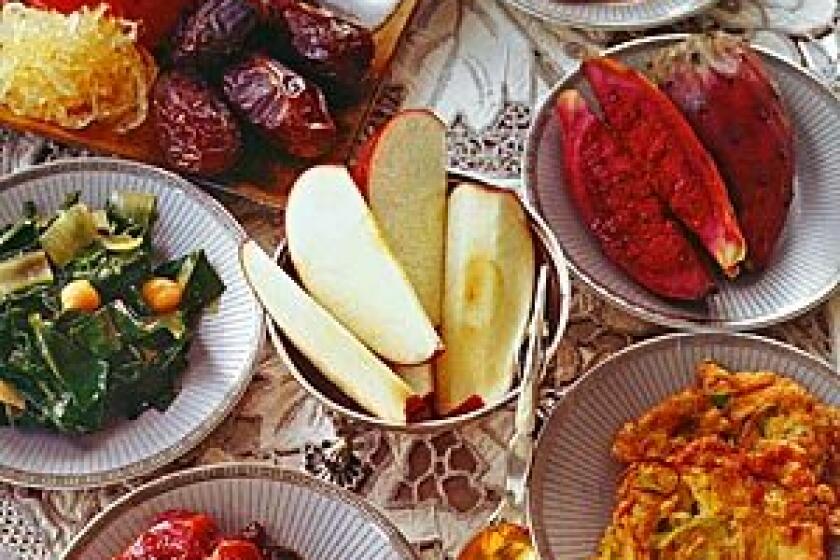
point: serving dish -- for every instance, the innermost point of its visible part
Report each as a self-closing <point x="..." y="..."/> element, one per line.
<point x="806" y="266"/>
<point x="316" y="519"/>
<point x="224" y="351"/>
<point x="574" y="476"/>
<point x="558" y="301"/>
<point x="263" y="175"/>
<point x="615" y="15"/>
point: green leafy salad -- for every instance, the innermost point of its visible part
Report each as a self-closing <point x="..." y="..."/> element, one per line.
<point x="92" y="326"/>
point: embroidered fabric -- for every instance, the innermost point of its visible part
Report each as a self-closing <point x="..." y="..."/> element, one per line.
<point x="481" y="65"/>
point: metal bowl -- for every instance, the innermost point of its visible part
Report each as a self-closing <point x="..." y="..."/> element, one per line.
<point x="614" y="16"/>
<point x="806" y="266"/>
<point x="573" y="480"/>
<point x="559" y="298"/>
<point x="316" y="519"/>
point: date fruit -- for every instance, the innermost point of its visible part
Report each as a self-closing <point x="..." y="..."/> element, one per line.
<point x="332" y="51"/>
<point x="215" y="33"/>
<point x="287" y="109"/>
<point x="196" y="130"/>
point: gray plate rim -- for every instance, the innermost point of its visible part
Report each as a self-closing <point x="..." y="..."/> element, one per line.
<point x="191" y="440"/>
<point x="532" y="149"/>
<point x="233" y="471"/>
<point x="571" y="396"/>
<point x="582" y="14"/>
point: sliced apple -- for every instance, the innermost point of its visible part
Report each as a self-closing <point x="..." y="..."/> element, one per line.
<point x="489" y="283"/>
<point x="420" y="377"/>
<point x="341" y="357"/>
<point x="402" y="171"/>
<point x="343" y="261"/>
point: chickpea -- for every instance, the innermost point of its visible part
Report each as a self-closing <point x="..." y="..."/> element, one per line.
<point x="162" y="295"/>
<point x="80" y="295"/>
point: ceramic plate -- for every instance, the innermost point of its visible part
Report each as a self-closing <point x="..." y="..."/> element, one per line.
<point x="559" y="300"/>
<point x="317" y="520"/>
<point x="806" y="266"/>
<point x="574" y="476"/>
<point x="621" y="14"/>
<point x="223" y="353"/>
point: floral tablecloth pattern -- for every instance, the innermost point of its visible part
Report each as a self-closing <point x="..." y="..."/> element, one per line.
<point x="482" y="66"/>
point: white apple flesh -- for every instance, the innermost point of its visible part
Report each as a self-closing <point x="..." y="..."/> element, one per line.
<point x="406" y="190"/>
<point x="342" y="358"/>
<point x="419" y="377"/>
<point x="346" y="265"/>
<point x="489" y="282"/>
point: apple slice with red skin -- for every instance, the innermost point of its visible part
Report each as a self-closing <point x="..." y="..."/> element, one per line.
<point x="344" y="261"/>
<point x="419" y="377"/>
<point x="489" y="283"/>
<point x="402" y="173"/>
<point x="406" y="192"/>
<point x="331" y="348"/>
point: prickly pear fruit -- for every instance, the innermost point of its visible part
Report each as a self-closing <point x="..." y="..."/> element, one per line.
<point x="619" y="204"/>
<point x="683" y="172"/>
<point x="722" y="88"/>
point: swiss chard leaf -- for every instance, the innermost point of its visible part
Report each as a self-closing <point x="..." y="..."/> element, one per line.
<point x="155" y="331"/>
<point x="111" y="274"/>
<point x="81" y="377"/>
<point x="132" y="213"/>
<point x="147" y="379"/>
<point x="97" y="332"/>
<point x="19" y="238"/>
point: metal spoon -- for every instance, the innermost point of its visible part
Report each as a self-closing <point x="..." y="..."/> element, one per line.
<point x="506" y="536"/>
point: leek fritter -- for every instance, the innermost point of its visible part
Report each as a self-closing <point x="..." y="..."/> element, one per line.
<point x="742" y="466"/>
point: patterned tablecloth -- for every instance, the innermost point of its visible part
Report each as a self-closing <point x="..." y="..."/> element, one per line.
<point x="482" y="66"/>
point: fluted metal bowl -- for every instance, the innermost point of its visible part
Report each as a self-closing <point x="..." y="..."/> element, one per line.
<point x="314" y="382"/>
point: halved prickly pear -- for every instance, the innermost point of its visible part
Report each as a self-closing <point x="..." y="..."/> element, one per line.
<point x="620" y="206"/>
<point x="722" y="88"/>
<point x="683" y="171"/>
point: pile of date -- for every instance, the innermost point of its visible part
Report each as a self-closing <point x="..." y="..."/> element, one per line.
<point x="267" y="68"/>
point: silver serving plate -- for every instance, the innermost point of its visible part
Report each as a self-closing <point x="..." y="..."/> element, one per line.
<point x="558" y="302"/>
<point x="806" y="266"/>
<point x="574" y="476"/>
<point x="223" y="354"/>
<point x="313" y="518"/>
<point x="614" y="16"/>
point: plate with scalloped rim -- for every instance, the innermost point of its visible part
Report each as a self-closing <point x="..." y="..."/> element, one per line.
<point x="614" y="16"/>
<point x="573" y="481"/>
<point x="806" y="266"/>
<point x="317" y="520"/>
<point x="223" y="353"/>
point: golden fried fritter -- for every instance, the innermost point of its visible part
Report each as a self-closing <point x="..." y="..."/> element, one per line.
<point x="760" y="412"/>
<point x="743" y="466"/>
